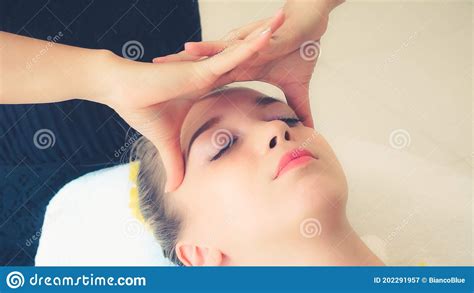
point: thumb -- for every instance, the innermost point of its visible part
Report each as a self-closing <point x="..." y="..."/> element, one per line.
<point x="172" y="158"/>
<point x="163" y="130"/>
<point x="297" y="96"/>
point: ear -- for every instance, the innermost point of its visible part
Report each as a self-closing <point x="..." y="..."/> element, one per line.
<point x="195" y="255"/>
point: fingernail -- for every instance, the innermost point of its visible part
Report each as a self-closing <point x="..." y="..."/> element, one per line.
<point x="265" y="31"/>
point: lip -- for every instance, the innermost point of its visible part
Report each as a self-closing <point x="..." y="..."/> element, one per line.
<point x="293" y="159"/>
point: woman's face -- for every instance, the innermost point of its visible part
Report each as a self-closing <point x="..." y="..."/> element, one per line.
<point x="235" y="197"/>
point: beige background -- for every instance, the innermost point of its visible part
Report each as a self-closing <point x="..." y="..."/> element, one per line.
<point x="400" y="70"/>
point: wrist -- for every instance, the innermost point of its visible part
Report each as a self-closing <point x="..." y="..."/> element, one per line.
<point x="334" y="3"/>
<point x="321" y="5"/>
<point x="101" y="66"/>
<point x="309" y="18"/>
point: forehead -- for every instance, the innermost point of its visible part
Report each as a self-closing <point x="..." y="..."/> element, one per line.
<point x="241" y="100"/>
<point x="234" y="98"/>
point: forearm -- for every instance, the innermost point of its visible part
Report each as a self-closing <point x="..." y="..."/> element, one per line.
<point x="36" y="71"/>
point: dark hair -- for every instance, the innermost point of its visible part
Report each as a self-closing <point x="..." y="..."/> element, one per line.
<point x="154" y="202"/>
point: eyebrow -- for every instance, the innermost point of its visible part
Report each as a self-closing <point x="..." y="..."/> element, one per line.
<point x="260" y="102"/>
<point x="264" y="101"/>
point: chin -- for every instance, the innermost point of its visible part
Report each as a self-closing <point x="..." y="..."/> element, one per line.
<point x="321" y="195"/>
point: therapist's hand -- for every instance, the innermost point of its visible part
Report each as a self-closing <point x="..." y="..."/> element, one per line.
<point x="152" y="98"/>
<point x="155" y="98"/>
<point x="288" y="62"/>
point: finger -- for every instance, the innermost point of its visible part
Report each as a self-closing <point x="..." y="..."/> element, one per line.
<point x="242" y="32"/>
<point x="274" y="23"/>
<point x="165" y="135"/>
<point x="208" y="48"/>
<point x="181" y="56"/>
<point x="168" y="149"/>
<point x="219" y="64"/>
<point x="171" y="156"/>
<point x="297" y="96"/>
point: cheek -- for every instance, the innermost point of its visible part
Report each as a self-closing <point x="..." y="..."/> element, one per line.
<point x="323" y="193"/>
<point x="238" y="195"/>
<point x="335" y="175"/>
<point x="234" y="184"/>
<point x="251" y="210"/>
<point x="319" y="194"/>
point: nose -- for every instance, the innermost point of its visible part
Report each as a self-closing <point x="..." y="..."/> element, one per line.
<point x="276" y="133"/>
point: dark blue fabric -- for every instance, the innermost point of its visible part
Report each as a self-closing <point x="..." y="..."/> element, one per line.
<point x="86" y="135"/>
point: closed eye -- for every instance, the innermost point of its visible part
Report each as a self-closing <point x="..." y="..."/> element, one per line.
<point x="290" y="121"/>
<point x="225" y="148"/>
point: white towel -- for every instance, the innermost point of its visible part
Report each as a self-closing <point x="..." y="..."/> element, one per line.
<point x="90" y="223"/>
